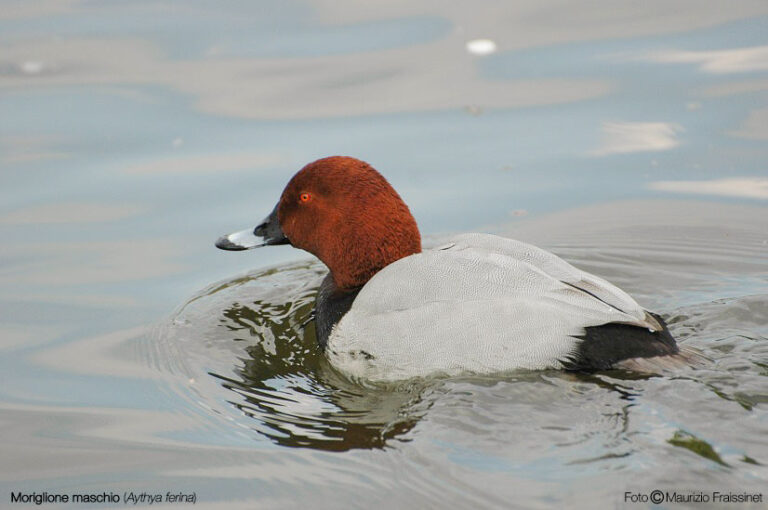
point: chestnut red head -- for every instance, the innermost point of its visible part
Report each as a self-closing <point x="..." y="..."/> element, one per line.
<point x="344" y="212"/>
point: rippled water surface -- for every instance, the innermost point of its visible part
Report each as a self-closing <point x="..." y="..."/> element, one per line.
<point x="629" y="139"/>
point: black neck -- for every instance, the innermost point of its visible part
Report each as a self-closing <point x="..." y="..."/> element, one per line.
<point x="330" y="306"/>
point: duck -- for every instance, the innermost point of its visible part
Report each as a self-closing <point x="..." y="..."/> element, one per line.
<point x="389" y="310"/>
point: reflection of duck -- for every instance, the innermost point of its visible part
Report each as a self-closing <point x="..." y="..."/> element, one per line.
<point x="479" y="304"/>
<point x="294" y="396"/>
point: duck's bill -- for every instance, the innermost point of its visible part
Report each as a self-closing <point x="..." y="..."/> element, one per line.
<point x="237" y="241"/>
<point x="267" y="233"/>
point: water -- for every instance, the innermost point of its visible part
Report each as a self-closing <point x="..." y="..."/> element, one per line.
<point x="630" y="140"/>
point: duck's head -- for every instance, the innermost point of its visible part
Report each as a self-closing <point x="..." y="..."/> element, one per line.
<point x="345" y="213"/>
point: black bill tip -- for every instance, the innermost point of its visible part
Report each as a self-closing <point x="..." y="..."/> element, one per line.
<point x="223" y="243"/>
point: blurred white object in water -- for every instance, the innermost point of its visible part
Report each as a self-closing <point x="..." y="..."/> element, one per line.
<point x="481" y="47"/>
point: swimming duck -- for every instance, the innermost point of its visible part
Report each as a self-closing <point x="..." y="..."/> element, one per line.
<point x="478" y="304"/>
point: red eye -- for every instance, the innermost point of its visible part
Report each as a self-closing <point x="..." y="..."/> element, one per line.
<point x="305" y="197"/>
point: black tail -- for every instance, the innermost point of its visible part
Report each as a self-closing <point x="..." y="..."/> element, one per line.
<point x="611" y="345"/>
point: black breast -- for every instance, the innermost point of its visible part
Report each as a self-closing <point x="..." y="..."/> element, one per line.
<point x="330" y="306"/>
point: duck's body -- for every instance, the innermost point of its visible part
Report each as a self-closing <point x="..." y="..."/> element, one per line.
<point x="478" y="304"/>
<point x="483" y="304"/>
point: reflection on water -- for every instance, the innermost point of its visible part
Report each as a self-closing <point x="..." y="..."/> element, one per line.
<point x="277" y="374"/>
<point x="627" y="137"/>
<point x="755" y="187"/>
